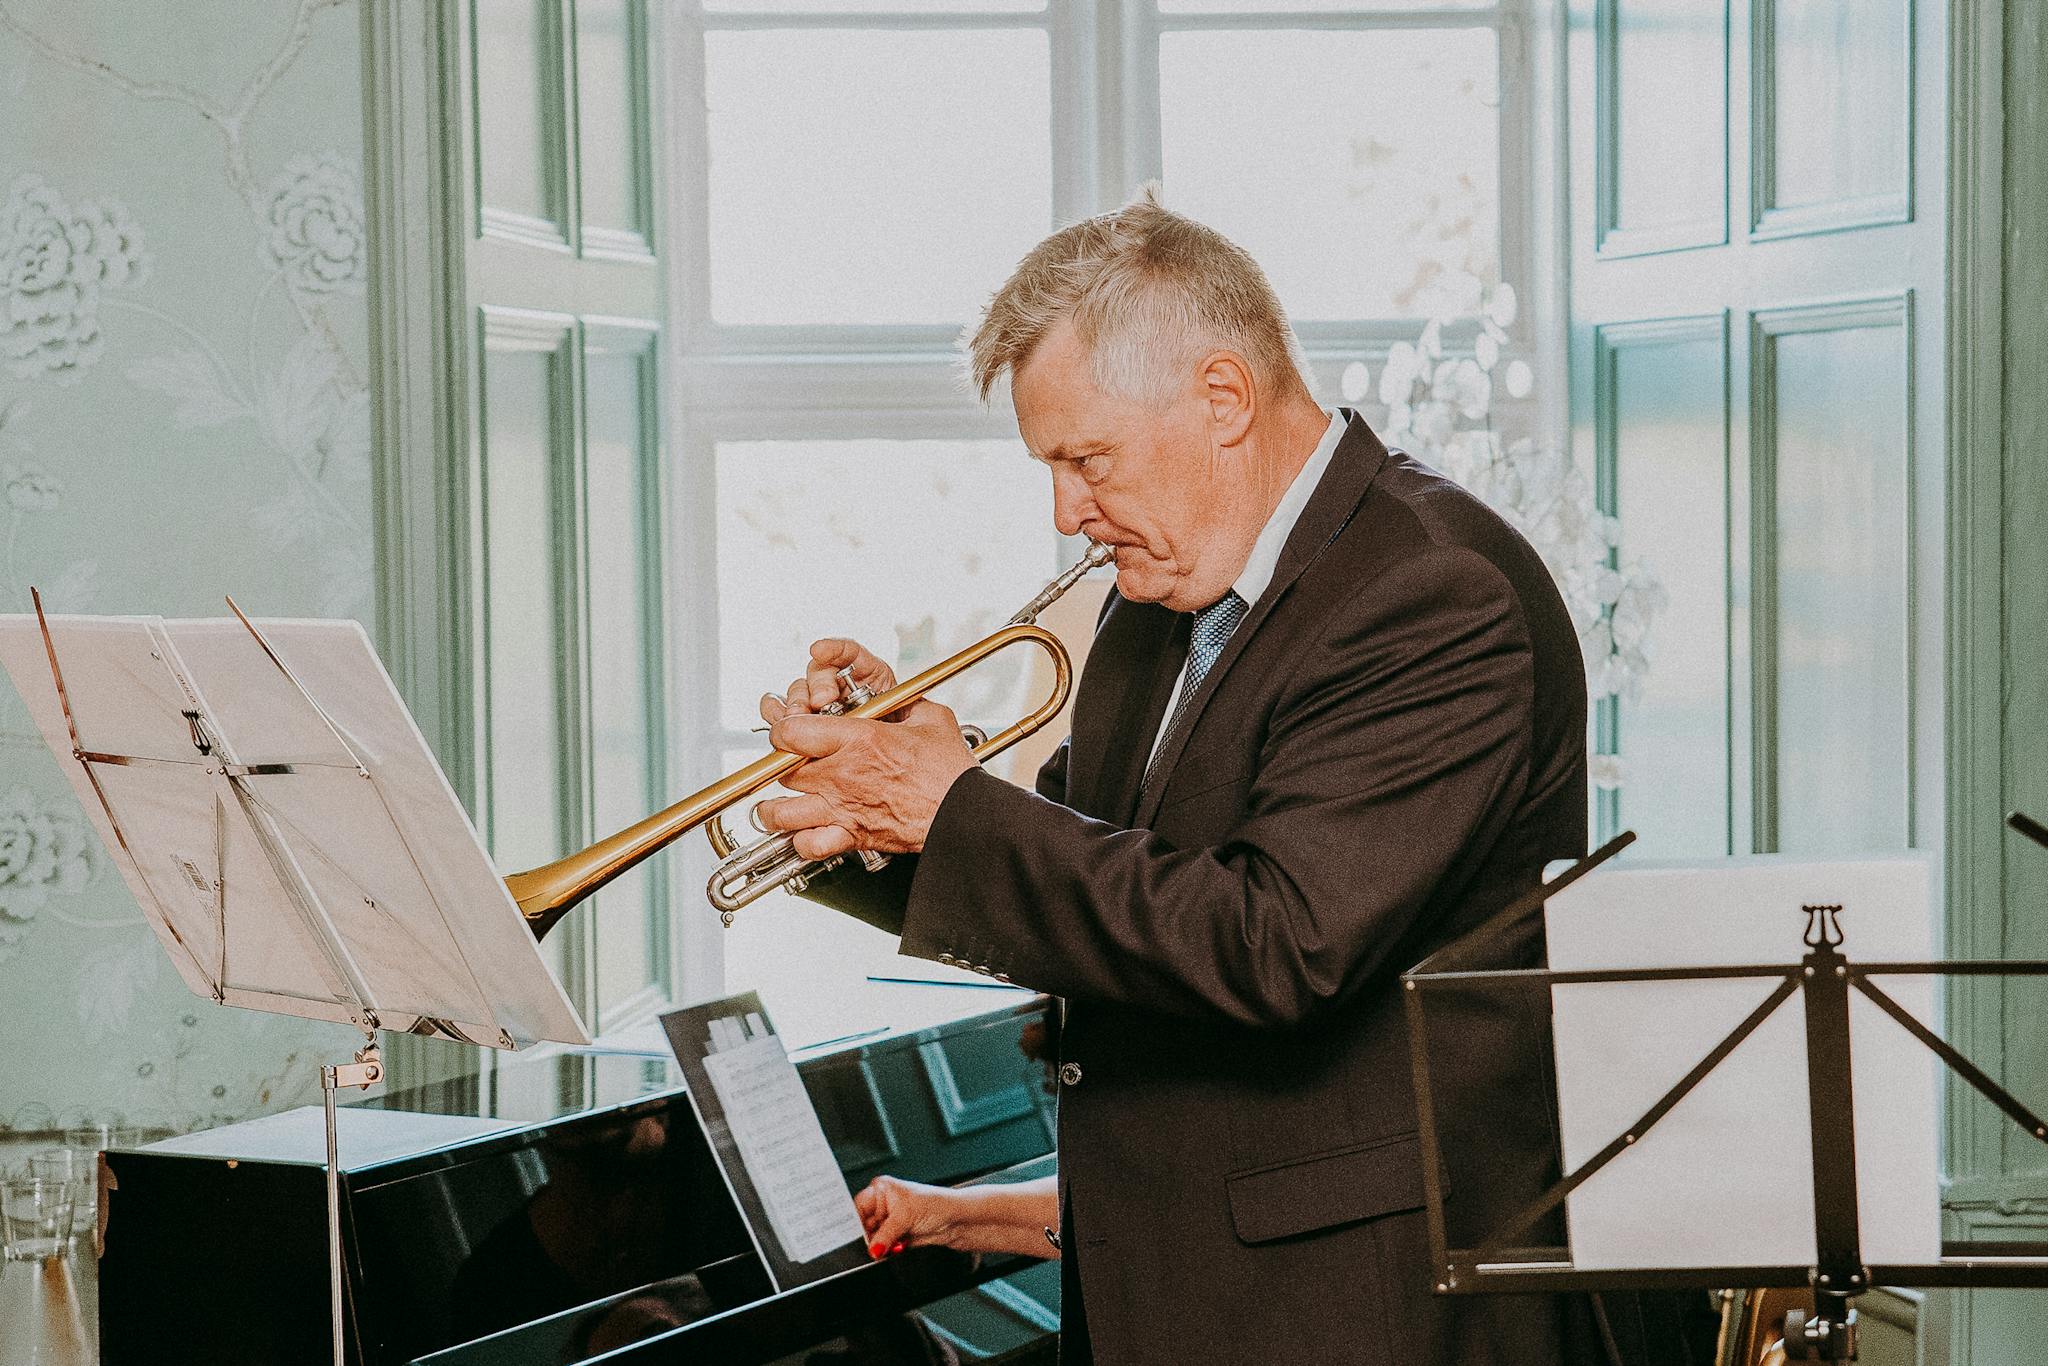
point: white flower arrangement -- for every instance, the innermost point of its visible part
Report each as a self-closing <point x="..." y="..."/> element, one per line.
<point x="1440" y="410"/>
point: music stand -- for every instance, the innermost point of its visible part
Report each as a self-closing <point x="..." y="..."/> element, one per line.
<point x="288" y="835"/>
<point x="1825" y="978"/>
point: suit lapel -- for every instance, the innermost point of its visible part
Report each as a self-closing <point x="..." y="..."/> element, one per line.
<point x="1136" y="655"/>
<point x="1353" y="467"/>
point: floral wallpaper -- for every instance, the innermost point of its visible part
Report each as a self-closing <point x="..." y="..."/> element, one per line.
<point x="183" y="414"/>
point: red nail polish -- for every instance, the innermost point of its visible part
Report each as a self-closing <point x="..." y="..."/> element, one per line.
<point x="874" y="1251"/>
<point x="896" y="1249"/>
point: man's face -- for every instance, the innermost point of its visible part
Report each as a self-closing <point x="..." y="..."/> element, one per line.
<point x="1142" y="479"/>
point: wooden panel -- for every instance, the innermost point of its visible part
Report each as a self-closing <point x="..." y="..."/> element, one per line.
<point x="1662" y="93"/>
<point x="1662" y="398"/>
<point x="1831" y="395"/>
<point x="521" y="143"/>
<point x="614" y="179"/>
<point x="523" y="451"/>
<point x="525" y="550"/>
<point x="623" y="612"/>
<point x="1832" y="99"/>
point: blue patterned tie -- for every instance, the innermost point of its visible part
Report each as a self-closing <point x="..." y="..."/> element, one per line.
<point x="1213" y="627"/>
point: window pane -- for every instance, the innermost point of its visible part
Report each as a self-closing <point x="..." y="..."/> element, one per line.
<point x="873" y="177"/>
<point x="1313" y="6"/>
<point x="1361" y="169"/>
<point x="915" y="548"/>
<point x="873" y="6"/>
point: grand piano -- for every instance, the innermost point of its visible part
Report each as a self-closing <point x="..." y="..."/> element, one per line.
<point x="606" y="1231"/>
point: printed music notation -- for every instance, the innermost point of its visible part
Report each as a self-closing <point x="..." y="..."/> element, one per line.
<point x="780" y="1140"/>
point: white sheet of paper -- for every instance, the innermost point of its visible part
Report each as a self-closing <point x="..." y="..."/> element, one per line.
<point x="784" y="1147"/>
<point x="311" y="889"/>
<point x="1725" y="1179"/>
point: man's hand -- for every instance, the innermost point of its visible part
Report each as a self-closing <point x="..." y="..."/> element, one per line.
<point x="869" y="784"/>
<point x="819" y="687"/>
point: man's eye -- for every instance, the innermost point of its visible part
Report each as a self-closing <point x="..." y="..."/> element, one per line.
<point x="1093" y="467"/>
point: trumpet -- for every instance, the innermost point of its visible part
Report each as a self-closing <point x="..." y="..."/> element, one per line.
<point x="748" y="872"/>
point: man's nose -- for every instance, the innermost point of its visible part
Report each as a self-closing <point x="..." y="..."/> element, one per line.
<point x="1071" y="504"/>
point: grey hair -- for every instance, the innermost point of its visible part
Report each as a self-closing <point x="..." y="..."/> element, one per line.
<point x="1149" y="292"/>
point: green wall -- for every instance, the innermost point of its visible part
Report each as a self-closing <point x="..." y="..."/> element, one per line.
<point x="183" y="414"/>
<point x="1999" y="637"/>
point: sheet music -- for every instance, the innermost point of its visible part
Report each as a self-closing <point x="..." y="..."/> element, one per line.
<point x="333" y="874"/>
<point x="780" y="1140"/>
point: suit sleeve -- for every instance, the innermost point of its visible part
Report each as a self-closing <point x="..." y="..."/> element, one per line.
<point x="881" y="898"/>
<point x="1397" y="751"/>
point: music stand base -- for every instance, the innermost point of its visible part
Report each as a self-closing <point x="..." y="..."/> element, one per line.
<point x="1827" y="1334"/>
<point x="366" y="1071"/>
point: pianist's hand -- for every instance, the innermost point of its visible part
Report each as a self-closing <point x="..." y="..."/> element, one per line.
<point x="899" y="1215"/>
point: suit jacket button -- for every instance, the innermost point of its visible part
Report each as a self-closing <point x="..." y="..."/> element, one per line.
<point x="1070" y="1074"/>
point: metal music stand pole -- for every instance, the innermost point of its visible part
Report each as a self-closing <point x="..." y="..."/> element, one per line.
<point x="1829" y="1333"/>
<point x="366" y="1071"/>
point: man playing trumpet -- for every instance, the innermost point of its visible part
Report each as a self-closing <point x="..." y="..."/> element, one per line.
<point x="1334" y="715"/>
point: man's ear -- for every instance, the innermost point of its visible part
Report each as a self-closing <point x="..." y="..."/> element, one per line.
<point x="1227" y="388"/>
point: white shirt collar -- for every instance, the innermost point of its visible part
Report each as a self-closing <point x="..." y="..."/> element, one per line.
<point x="1265" y="556"/>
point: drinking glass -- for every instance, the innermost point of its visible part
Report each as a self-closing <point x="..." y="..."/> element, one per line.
<point x="81" y="1170"/>
<point x="35" y="1218"/>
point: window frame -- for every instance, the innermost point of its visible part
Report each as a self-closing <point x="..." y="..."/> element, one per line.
<point x="735" y="382"/>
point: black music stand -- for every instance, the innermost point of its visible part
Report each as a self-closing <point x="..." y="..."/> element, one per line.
<point x="1824" y="977"/>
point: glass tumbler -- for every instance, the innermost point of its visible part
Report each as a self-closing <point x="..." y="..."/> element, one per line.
<point x="81" y="1170"/>
<point x="35" y="1218"/>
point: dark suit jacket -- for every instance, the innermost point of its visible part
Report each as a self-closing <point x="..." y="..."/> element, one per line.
<point x="1388" y="750"/>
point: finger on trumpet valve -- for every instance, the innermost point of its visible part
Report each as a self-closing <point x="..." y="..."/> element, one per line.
<point x="754" y="819"/>
<point x="852" y="691"/>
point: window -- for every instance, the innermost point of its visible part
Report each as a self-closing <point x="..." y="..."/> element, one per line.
<point x="859" y="175"/>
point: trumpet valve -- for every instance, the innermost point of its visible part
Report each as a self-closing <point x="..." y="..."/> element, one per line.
<point x="852" y="692"/>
